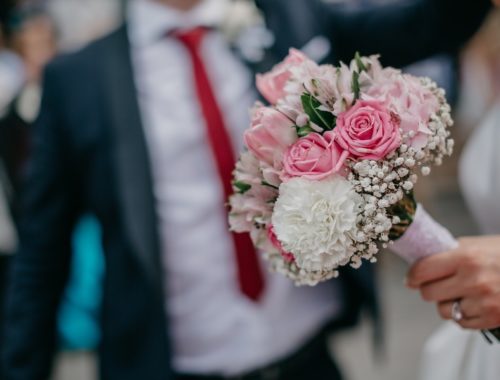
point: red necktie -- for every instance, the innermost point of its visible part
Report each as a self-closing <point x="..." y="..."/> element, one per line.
<point x="250" y="276"/>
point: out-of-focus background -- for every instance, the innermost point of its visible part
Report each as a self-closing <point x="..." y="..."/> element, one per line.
<point x="34" y="31"/>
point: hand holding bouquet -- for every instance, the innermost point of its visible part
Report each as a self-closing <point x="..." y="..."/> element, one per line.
<point x="332" y="161"/>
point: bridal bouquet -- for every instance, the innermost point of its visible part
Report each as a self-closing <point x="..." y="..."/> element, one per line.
<point x="332" y="160"/>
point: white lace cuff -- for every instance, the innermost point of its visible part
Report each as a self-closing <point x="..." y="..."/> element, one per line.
<point x="424" y="237"/>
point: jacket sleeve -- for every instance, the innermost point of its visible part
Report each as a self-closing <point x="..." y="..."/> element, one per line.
<point x="402" y="32"/>
<point x="406" y="31"/>
<point x="40" y="268"/>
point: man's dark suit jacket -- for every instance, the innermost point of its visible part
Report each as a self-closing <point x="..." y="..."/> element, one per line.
<point x="90" y="155"/>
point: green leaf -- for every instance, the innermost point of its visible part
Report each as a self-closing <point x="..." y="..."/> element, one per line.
<point x="355" y="85"/>
<point x="322" y="119"/>
<point x="242" y="186"/>
<point x="359" y="62"/>
<point x="304" y="131"/>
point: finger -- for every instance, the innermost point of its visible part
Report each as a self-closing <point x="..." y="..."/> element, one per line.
<point x="468" y="322"/>
<point x="444" y="310"/>
<point x="448" y="289"/>
<point x="470" y="308"/>
<point x="475" y="241"/>
<point x="467" y="241"/>
<point x="433" y="268"/>
<point x="475" y="323"/>
<point x="481" y="323"/>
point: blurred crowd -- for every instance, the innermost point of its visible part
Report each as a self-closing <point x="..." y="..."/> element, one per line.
<point x="33" y="32"/>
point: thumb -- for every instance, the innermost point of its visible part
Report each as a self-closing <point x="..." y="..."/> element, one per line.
<point x="433" y="268"/>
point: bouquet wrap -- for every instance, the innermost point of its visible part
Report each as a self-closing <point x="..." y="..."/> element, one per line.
<point x="424" y="237"/>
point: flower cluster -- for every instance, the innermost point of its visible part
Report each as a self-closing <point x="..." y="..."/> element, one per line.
<point x="332" y="160"/>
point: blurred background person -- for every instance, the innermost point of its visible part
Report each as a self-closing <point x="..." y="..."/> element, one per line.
<point x="32" y="39"/>
<point x="11" y="72"/>
<point x="12" y="144"/>
<point x="78" y="328"/>
<point x="81" y="21"/>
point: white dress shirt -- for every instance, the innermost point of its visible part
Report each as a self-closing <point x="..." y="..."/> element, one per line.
<point x="214" y="328"/>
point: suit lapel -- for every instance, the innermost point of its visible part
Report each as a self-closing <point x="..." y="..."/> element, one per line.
<point x="130" y="154"/>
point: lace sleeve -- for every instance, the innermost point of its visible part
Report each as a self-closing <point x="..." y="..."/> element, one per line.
<point x="424" y="237"/>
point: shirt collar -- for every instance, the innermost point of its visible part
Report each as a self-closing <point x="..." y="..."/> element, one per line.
<point x="149" y="20"/>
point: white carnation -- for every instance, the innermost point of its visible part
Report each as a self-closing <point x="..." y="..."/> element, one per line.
<point x="317" y="221"/>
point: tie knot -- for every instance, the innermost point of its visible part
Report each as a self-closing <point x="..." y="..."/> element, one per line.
<point x="191" y="38"/>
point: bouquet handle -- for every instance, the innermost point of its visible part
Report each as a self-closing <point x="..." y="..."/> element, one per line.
<point x="424" y="237"/>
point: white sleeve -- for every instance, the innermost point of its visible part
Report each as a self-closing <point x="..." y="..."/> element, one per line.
<point x="424" y="237"/>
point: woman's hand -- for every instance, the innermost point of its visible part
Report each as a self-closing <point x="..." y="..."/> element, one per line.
<point x="469" y="274"/>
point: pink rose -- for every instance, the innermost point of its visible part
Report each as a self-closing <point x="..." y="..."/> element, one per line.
<point x="414" y="104"/>
<point x="314" y="157"/>
<point x="270" y="135"/>
<point x="287" y="256"/>
<point x="368" y="130"/>
<point x="272" y="84"/>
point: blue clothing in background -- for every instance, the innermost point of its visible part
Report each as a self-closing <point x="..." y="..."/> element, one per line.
<point x="78" y="322"/>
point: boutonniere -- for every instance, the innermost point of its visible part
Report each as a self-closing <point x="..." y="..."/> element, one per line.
<point x="245" y="29"/>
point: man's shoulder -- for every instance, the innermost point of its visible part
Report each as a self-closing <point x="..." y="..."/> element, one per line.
<point x="88" y="59"/>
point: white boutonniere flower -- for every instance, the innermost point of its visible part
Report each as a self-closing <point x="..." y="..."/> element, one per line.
<point x="245" y="29"/>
